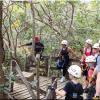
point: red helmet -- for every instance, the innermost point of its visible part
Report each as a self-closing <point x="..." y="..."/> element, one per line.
<point x="37" y="39"/>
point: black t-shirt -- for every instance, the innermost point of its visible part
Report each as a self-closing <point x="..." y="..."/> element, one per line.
<point x="65" y="55"/>
<point x="73" y="91"/>
<point x="38" y="46"/>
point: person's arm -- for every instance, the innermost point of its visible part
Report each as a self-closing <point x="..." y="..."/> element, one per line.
<point x="97" y="67"/>
<point x="27" y="44"/>
<point x="64" y="91"/>
<point x="60" y="92"/>
<point x="94" y="73"/>
<point x="59" y="54"/>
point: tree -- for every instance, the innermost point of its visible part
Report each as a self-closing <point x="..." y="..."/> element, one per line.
<point x="2" y="78"/>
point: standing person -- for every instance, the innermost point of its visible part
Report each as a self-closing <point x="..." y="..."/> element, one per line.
<point x="39" y="47"/>
<point x="91" y="63"/>
<point x="64" y="56"/>
<point x="73" y="89"/>
<point x="96" y="72"/>
<point x="87" y="51"/>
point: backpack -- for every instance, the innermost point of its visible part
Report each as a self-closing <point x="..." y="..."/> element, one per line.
<point x="60" y="63"/>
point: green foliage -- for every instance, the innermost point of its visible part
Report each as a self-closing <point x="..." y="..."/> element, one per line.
<point x="86" y="24"/>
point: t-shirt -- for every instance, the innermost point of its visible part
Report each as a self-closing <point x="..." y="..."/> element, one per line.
<point x="38" y="46"/>
<point x="65" y="55"/>
<point x="73" y="91"/>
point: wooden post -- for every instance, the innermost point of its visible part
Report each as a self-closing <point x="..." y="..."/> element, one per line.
<point x="54" y="82"/>
<point x="37" y="78"/>
<point x="10" y="79"/>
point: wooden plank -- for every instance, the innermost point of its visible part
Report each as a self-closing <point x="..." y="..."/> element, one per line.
<point x="29" y="98"/>
<point x="21" y="87"/>
<point x="26" y="74"/>
<point x="45" y="85"/>
<point x="20" y="90"/>
<point x="41" y="97"/>
<point x="60" y="86"/>
<point x="23" y="96"/>
<point x="60" y="97"/>
<point x="18" y="93"/>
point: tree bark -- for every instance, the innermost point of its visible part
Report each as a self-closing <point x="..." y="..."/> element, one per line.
<point x="2" y="78"/>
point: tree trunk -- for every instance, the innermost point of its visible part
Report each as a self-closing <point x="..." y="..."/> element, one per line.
<point x="2" y="78"/>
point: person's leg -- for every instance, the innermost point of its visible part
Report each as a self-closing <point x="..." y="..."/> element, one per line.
<point x="98" y="85"/>
<point x="64" y="73"/>
<point x="84" y="78"/>
<point x="64" y="70"/>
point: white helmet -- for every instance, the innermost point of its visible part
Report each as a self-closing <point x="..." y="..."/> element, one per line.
<point x="75" y="70"/>
<point x="89" y="41"/>
<point x="96" y="46"/>
<point x="64" y="42"/>
<point x="90" y="59"/>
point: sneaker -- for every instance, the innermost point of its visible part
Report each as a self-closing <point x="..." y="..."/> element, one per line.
<point x="62" y="79"/>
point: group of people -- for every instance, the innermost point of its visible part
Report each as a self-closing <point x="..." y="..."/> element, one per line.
<point x="88" y="71"/>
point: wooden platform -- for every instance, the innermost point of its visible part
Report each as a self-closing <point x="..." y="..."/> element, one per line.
<point x="21" y="92"/>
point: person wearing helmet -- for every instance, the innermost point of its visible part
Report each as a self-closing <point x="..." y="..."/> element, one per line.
<point x="96" y="72"/>
<point x="39" y="47"/>
<point x="64" y="58"/>
<point x="87" y="51"/>
<point x="91" y="63"/>
<point x="73" y="89"/>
